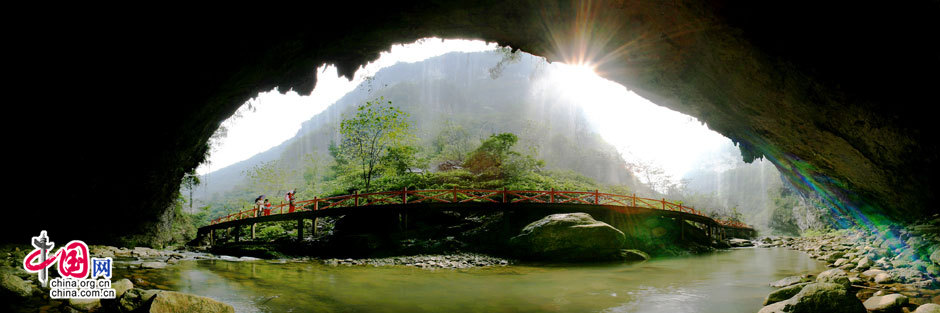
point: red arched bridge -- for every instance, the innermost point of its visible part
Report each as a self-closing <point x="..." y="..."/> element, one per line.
<point x="470" y="198"/>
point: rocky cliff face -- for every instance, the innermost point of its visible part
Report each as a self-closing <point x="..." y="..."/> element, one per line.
<point x="829" y="92"/>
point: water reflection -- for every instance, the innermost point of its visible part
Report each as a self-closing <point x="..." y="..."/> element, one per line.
<point x="727" y="281"/>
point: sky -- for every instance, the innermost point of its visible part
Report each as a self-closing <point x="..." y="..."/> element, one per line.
<point x="638" y="128"/>
<point x="275" y="117"/>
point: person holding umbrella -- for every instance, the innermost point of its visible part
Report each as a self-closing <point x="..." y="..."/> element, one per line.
<point x="259" y="203"/>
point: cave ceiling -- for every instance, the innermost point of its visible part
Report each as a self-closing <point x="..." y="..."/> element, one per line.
<point x="838" y="95"/>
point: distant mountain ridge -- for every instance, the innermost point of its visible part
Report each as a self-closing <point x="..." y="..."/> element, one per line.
<point x="483" y="92"/>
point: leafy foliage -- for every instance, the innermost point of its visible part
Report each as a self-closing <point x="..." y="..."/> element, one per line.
<point x="782" y="220"/>
<point x="452" y="145"/>
<point x="495" y="159"/>
<point x="271" y="178"/>
<point x="376" y="129"/>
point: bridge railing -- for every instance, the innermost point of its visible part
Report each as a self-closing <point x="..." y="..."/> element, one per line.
<point x="455" y="195"/>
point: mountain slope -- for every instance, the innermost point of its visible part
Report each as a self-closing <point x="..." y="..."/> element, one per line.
<point x="482" y="93"/>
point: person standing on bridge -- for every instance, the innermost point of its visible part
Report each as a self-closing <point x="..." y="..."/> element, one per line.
<point x="289" y="197"/>
<point x="259" y="203"/>
<point x="267" y="206"/>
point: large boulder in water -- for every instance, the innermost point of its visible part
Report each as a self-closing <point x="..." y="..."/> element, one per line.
<point x="819" y="297"/>
<point x="569" y="237"/>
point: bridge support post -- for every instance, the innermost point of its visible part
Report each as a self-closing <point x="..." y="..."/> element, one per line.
<point x="682" y="229"/>
<point x="315" y="231"/>
<point x="211" y="237"/>
<point x="253" y="230"/>
<point x="300" y="229"/>
<point x="237" y="233"/>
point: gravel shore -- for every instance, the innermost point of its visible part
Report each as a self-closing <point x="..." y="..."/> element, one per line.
<point x="448" y="261"/>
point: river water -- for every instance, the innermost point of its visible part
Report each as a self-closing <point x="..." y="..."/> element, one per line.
<point x="726" y="281"/>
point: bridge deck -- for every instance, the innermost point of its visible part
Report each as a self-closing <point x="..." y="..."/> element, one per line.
<point x="405" y="201"/>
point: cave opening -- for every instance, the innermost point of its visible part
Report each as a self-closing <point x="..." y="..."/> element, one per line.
<point x="835" y="101"/>
<point x="275" y="142"/>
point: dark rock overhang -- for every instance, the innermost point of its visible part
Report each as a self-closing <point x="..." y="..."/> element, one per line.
<point x="836" y="94"/>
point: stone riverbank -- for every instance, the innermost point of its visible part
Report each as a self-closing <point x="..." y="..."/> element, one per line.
<point x="885" y="270"/>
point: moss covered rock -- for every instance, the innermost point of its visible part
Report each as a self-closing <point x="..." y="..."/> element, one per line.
<point x="783" y="293"/>
<point x="171" y="301"/>
<point x="835" y="276"/>
<point x="121" y="286"/>
<point x="819" y="297"/>
<point x="569" y="237"/>
<point x="13" y="285"/>
<point x="787" y="281"/>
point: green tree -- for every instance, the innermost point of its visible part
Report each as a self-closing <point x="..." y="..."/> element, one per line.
<point x="496" y="159"/>
<point x="401" y="159"/>
<point x="781" y="219"/>
<point x="452" y="144"/>
<point x="313" y="173"/>
<point x="190" y="181"/>
<point x="367" y="136"/>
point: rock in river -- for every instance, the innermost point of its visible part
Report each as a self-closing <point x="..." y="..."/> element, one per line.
<point x="819" y="297"/>
<point x="835" y="276"/>
<point x="569" y="237"/>
<point x="85" y="305"/>
<point x="784" y="293"/>
<point x="928" y="308"/>
<point x="171" y="301"/>
<point x="883" y="278"/>
<point x="121" y="286"/>
<point x="152" y="265"/>
<point x="634" y="255"/>
<point x="11" y="284"/>
<point x="792" y="280"/>
<point x="886" y="304"/>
